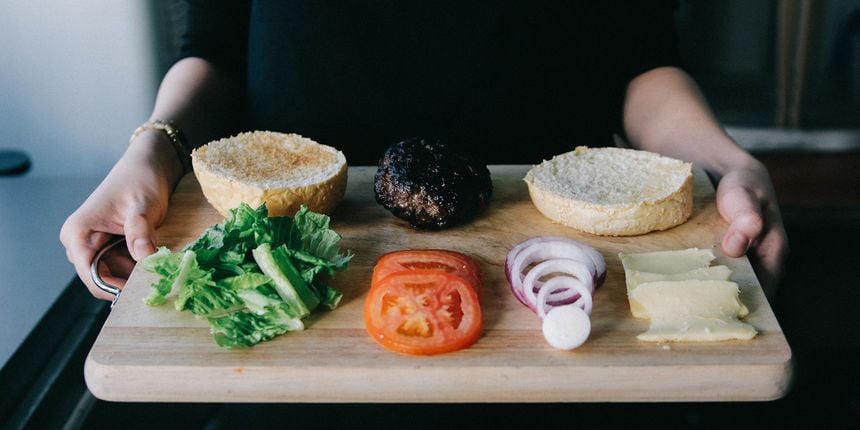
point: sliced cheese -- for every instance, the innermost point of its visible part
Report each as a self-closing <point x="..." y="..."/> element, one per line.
<point x="635" y="278"/>
<point x="676" y="265"/>
<point x="692" y="310"/>
<point x="667" y="262"/>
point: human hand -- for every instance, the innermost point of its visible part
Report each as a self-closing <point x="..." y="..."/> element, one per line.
<point x="746" y="200"/>
<point x="131" y="201"/>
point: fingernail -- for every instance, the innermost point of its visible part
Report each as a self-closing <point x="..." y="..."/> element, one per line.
<point x="739" y="242"/>
<point x="141" y="248"/>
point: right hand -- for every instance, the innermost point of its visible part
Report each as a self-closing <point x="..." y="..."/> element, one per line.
<point x="130" y="201"/>
<point x="747" y="201"/>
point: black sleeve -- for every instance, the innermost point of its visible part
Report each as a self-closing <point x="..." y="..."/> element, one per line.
<point x="650" y="39"/>
<point x="642" y="37"/>
<point x="217" y="30"/>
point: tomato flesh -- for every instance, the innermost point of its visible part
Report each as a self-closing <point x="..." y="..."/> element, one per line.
<point x="428" y="259"/>
<point x="423" y="312"/>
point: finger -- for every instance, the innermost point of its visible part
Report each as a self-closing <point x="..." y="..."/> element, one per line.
<point x="108" y="275"/>
<point x="81" y="249"/>
<point x="139" y="235"/>
<point x="118" y="265"/>
<point x="741" y="208"/>
<point x="741" y="234"/>
<point x="770" y="255"/>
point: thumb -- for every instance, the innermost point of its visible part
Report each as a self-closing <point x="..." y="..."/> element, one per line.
<point x="139" y="235"/>
<point x="741" y="208"/>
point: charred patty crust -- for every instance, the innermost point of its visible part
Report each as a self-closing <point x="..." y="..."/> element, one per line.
<point x="431" y="186"/>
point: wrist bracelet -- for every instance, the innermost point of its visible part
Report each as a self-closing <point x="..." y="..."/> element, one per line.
<point x="174" y="135"/>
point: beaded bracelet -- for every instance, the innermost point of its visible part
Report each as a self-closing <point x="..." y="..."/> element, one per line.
<point x="174" y="135"/>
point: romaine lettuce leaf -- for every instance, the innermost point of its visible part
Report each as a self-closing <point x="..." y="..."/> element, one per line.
<point x="318" y="239"/>
<point x="166" y="264"/>
<point x="330" y="297"/>
<point x="244" y="329"/>
<point x="286" y="279"/>
<point x="252" y="277"/>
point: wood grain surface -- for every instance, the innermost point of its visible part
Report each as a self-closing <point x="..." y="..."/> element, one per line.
<point x="158" y="354"/>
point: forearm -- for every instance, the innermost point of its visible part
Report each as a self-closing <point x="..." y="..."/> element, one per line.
<point x="665" y="112"/>
<point x="201" y="100"/>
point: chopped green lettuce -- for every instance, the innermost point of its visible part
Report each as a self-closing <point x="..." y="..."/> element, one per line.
<point x="166" y="265"/>
<point x="252" y="277"/>
<point x="286" y="279"/>
<point x="243" y="329"/>
<point x="329" y="296"/>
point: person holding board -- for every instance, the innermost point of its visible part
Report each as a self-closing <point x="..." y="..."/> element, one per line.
<point x="507" y="82"/>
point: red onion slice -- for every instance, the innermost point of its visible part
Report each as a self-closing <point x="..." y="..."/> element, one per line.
<point x="515" y="283"/>
<point x="541" y="251"/>
<point x="566" y="327"/>
<point x="593" y="254"/>
<point x="559" y="265"/>
<point x="541" y="248"/>
<point x="585" y="300"/>
<point x="580" y="270"/>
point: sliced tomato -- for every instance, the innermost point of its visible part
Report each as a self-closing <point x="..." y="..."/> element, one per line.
<point x="423" y="312"/>
<point x="428" y="259"/>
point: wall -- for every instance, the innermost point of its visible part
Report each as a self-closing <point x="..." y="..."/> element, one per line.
<point x="75" y="79"/>
<point x="729" y="46"/>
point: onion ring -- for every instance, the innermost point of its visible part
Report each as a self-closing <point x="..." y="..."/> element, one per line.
<point x="574" y="268"/>
<point x="546" y="250"/>
<point x="541" y="248"/>
<point x="579" y="269"/>
<point x="594" y="255"/>
<point x="585" y="301"/>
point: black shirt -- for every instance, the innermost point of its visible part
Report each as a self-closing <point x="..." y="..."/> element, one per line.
<point x="509" y="82"/>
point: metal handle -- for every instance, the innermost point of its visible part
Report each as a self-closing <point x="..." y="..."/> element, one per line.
<point x="97" y="279"/>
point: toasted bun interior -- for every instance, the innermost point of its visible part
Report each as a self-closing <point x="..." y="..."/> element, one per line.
<point x="282" y="170"/>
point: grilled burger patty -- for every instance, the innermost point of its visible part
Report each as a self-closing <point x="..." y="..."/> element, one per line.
<point x="429" y="185"/>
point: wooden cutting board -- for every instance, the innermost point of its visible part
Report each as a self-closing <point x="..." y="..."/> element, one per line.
<point x="158" y="354"/>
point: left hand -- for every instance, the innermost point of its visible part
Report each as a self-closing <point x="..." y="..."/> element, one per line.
<point x="746" y="200"/>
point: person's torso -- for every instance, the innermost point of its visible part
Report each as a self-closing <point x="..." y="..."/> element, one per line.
<point x="508" y="83"/>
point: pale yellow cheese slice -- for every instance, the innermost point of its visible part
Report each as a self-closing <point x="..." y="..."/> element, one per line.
<point x="635" y="278"/>
<point x="692" y="310"/>
<point x="676" y="265"/>
<point x="667" y="262"/>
